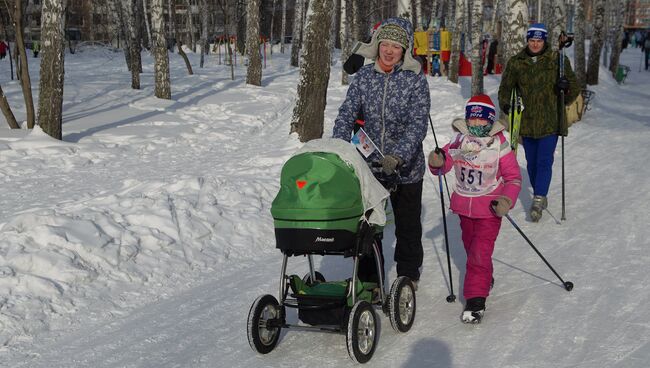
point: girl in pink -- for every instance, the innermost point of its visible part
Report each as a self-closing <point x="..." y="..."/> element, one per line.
<point x="488" y="181"/>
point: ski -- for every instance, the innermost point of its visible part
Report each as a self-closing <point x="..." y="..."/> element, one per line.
<point x="514" y="116"/>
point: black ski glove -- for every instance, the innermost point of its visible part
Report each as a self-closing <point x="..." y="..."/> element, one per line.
<point x="353" y="63"/>
<point x="390" y="163"/>
<point x="506" y="109"/>
<point x="562" y="85"/>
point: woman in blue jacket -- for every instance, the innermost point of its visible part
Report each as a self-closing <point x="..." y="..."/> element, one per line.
<point x="393" y="95"/>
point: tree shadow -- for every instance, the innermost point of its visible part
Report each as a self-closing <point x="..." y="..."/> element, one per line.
<point x="430" y="353"/>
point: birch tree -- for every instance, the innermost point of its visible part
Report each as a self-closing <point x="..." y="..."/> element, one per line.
<point x="309" y="112"/>
<point x="297" y="32"/>
<point x="22" y="65"/>
<point x="223" y="5"/>
<point x="283" y="31"/>
<point x="454" y="62"/>
<point x="514" y="28"/>
<point x="130" y="46"/>
<point x="6" y="111"/>
<point x="404" y="9"/>
<point x="50" y="107"/>
<point x="418" y="14"/>
<point x="190" y="25"/>
<point x="579" y="41"/>
<point x="205" y="20"/>
<point x="477" y="64"/>
<point x="161" y="56"/>
<point x="346" y="17"/>
<point x="146" y="23"/>
<point x="596" y="44"/>
<point x="618" y="36"/>
<point x="254" y="74"/>
<point x="556" y="22"/>
<point x="179" y="43"/>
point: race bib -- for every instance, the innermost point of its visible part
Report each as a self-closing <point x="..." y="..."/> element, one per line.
<point x="476" y="164"/>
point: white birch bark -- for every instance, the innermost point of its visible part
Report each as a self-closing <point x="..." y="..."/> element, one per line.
<point x="50" y="107"/>
<point x="579" y="41"/>
<point x="344" y="32"/>
<point x="514" y="28"/>
<point x="596" y="43"/>
<point x="309" y="112"/>
<point x="459" y="26"/>
<point x="162" y="87"/>
<point x="618" y="36"/>
<point x="556" y="23"/>
<point x="254" y="72"/>
<point x="477" y="65"/>
<point x="297" y="32"/>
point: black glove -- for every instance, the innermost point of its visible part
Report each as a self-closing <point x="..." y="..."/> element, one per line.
<point x="390" y="163"/>
<point x="353" y="63"/>
<point x="563" y="85"/>
<point x="506" y="109"/>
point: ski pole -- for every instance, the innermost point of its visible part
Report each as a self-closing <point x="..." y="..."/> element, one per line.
<point x="565" y="41"/>
<point x="436" y="140"/>
<point x="568" y="285"/>
<point x="451" y="297"/>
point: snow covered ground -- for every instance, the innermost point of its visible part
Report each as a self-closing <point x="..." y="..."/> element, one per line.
<point x="144" y="237"/>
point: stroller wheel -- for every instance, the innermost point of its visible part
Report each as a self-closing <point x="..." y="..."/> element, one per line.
<point x="402" y="304"/>
<point x="307" y="278"/>
<point x="362" y="330"/>
<point x="264" y="324"/>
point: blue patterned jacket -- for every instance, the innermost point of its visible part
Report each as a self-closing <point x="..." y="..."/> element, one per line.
<point x="395" y="107"/>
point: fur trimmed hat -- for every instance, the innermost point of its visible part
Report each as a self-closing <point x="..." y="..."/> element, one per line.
<point x="480" y="107"/>
<point x="536" y="31"/>
<point x="393" y="29"/>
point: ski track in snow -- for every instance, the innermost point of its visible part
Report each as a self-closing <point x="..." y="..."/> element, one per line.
<point x="144" y="240"/>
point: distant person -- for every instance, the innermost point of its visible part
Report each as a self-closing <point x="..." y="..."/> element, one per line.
<point x="534" y="71"/>
<point x="36" y="48"/>
<point x="646" y="49"/>
<point x="3" y="49"/>
<point x="491" y="56"/>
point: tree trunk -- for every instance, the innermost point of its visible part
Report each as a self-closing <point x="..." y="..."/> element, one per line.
<point x="283" y="32"/>
<point x="6" y="111"/>
<point x="596" y="44"/>
<point x="129" y="20"/>
<point x="579" y="41"/>
<point x="514" y="28"/>
<point x="50" y="107"/>
<point x="254" y="74"/>
<point x="145" y="18"/>
<point x="417" y="23"/>
<point x="309" y="112"/>
<point x="297" y="32"/>
<point x="179" y="44"/>
<point x="241" y="26"/>
<point x="556" y="23"/>
<point x="454" y="62"/>
<point x="21" y="54"/>
<point x="477" y="46"/>
<point x="205" y="19"/>
<point x="618" y="37"/>
<point x="404" y="9"/>
<point x="190" y="26"/>
<point x="160" y="54"/>
<point x="346" y="17"/>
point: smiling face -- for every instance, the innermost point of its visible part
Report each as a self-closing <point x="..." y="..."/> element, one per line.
<point x="390" y="53"/>
<point x="535" y="45"/>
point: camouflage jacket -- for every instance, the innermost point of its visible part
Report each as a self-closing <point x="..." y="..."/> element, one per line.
<point x="536" y="82"/>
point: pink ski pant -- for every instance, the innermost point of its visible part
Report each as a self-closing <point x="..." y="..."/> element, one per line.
<point x="479" y="235"/>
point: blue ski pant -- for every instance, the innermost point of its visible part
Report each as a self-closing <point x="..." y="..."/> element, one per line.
<point x="539" y="157"/>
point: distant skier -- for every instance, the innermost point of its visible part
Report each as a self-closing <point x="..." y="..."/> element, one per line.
<point x="486" y="172"/>
<point x="535" y="72"/>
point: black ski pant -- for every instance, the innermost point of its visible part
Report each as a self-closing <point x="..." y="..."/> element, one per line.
<point x="406" y="201"/>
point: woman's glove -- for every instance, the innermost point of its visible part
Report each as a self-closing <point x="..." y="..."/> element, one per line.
<point x="389" y="164"/>
<point x="501" y="206"/>
<point x="437" y="158"/>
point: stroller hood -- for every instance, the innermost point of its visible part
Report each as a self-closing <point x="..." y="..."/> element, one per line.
<point x="327" y="179"/>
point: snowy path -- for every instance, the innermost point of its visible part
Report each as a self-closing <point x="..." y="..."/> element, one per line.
<point x="179" y="195"/>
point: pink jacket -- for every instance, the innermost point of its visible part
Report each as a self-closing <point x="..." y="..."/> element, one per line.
<point x="508" y="175"/>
